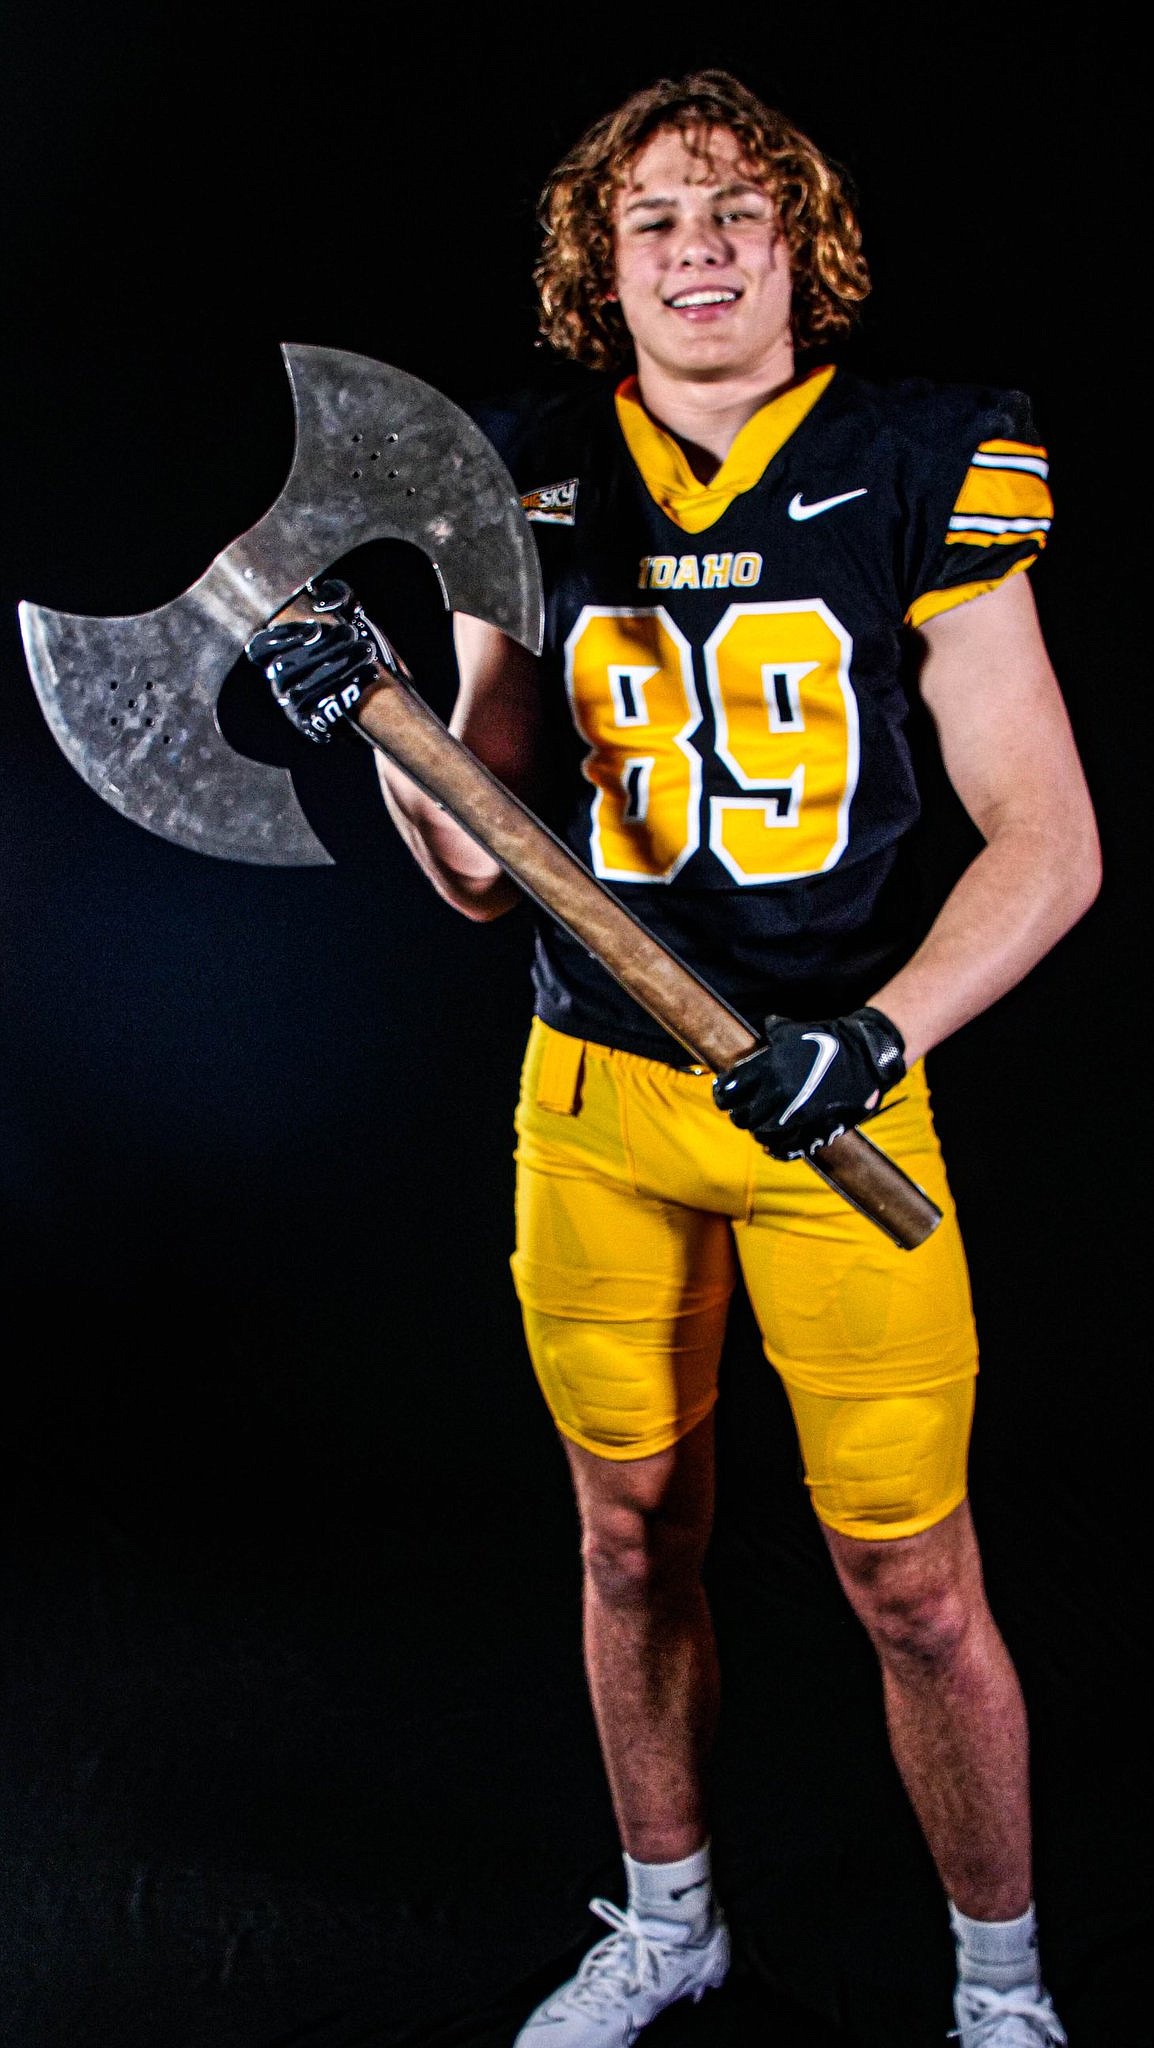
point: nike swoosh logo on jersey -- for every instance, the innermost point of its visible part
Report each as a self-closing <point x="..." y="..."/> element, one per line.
<point x="827" y="1052"/>
<point x="799" y="511"/>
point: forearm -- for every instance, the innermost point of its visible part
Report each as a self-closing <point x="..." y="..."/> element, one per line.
<point x="459" y="869"/>
<point x="1013" y="903"/>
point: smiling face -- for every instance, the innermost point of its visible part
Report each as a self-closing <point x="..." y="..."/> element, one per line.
<point x="702" y="271"/>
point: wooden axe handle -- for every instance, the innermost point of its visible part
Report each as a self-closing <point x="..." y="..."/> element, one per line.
<point x="394" y="718"/>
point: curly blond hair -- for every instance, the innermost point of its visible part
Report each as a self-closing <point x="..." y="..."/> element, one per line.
<point x="576" y="272"/>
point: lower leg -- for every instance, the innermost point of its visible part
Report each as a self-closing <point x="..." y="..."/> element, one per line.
<point x="954" y="1707"/>
<point x="960" y="1745"/>
<point x="653" y="1680"/>
<point x="649" y="1642"/>
<point x="958" y="1730"/>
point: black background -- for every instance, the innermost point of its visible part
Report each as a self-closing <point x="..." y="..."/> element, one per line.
<point x="293" y="1739"/>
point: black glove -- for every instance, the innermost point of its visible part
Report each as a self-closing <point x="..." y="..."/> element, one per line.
<point x="318" y="670"/>
<point x="809" y="1083"/>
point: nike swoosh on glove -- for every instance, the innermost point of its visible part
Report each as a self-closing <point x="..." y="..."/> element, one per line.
<point x="809" y="1083"/>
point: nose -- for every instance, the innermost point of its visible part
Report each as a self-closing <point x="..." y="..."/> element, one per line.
<point x="700" y="243"/>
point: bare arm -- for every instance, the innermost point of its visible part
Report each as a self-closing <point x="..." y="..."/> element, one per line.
<point x="1010" y="755"/>
<point x="498" y="717"/>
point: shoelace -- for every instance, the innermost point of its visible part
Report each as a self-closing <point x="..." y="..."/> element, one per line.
<point x="624" y="1962"/>
<point x="1010" y="2005"/>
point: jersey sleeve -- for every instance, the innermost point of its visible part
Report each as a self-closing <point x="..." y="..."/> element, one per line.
<point x="539" y="430"/>
<point x="503" y="423"/>
<point x="1001" y="515"/>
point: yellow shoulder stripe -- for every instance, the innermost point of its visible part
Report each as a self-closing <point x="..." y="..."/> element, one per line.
<point x="1006" y="494"/>
<point x="665" y="470"/>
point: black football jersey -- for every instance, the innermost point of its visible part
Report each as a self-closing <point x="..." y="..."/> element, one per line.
<point x="726" y="694"/>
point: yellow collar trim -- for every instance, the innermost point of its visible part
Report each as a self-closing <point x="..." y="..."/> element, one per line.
<point x="670" y="481"/>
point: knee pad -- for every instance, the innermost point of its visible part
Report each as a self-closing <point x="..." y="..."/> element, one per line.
<point x="626" y="1387"/>
<point x="887" y="1466"/>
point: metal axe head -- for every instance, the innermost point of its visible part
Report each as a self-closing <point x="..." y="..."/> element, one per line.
<point x="132" y="701"/>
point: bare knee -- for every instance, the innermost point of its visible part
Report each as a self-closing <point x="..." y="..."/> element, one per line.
<point x="632" y="1557"/>
<point x="927" y="1628"/>
<point x="645" y="1523"/>
<point x="919" y="1598"/>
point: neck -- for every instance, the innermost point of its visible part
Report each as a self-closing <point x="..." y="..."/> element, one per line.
<point x="706" y="415"/>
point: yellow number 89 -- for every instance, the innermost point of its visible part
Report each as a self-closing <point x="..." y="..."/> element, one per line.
<point x="785" y="719"/>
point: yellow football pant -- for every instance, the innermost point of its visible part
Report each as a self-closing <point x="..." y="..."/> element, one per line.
<point x="635" y="1195"/>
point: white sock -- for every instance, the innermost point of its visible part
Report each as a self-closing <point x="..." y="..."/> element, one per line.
<point x="1002" y="1954"/>
<point x="678" y="1892"/>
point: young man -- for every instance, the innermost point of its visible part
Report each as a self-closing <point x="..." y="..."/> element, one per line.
<point x="737" y="549"/>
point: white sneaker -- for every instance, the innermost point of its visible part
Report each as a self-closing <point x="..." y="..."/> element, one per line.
<point x="1005" y="2019"/>
<point x="626" y="1980"/>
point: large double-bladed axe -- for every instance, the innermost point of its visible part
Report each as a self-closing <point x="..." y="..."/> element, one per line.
<point x="378" y="455"/>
